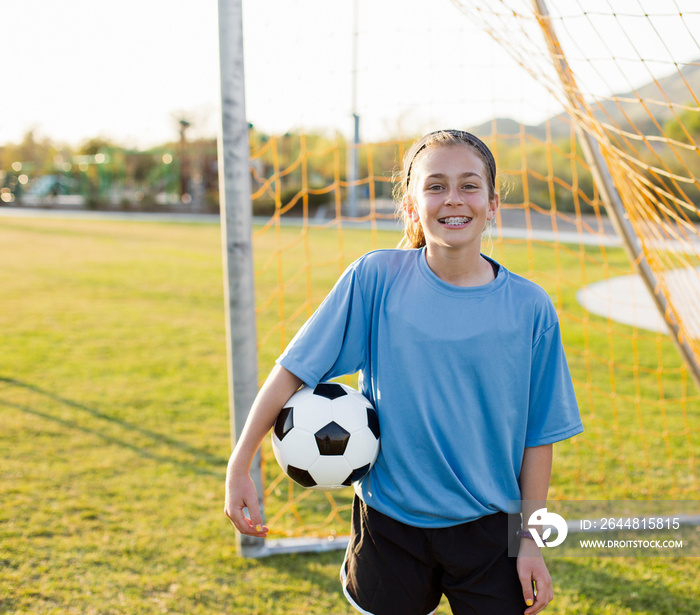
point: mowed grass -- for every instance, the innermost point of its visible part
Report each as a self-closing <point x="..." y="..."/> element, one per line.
<point x="114" y="425"/>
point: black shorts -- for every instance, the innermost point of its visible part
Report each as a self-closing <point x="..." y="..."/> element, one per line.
<point x="395" y="569"/>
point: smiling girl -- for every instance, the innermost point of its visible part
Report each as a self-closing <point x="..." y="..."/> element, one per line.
<point x="464" y="363"/>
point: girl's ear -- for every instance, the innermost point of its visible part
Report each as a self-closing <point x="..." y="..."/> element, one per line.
<point x="493" y="207"/>
<point x="409" y="208"/>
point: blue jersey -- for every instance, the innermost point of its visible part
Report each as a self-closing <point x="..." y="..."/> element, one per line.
<point x="463" y="380"/>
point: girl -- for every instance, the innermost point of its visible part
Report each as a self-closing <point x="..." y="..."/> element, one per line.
<point x="464" y="363"/>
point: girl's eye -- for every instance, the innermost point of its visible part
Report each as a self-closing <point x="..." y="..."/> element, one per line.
<point x="470" y="186"/>
<point x="435" y="187"/>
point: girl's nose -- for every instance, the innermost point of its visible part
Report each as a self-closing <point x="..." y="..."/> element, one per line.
<point x="453" y="196"/>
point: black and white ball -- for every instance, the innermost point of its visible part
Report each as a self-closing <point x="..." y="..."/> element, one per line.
<point x="326" y="438"/>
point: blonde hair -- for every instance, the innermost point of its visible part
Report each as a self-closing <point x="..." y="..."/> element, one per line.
<point x="413" y="235"/>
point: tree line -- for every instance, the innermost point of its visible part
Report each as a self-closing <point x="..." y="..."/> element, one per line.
<point x="298" y="173"/>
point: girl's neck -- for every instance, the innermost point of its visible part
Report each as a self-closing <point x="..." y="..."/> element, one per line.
<point x="459" y="269"/>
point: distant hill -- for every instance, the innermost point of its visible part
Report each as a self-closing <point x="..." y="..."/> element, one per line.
<point x="671" y="87"/>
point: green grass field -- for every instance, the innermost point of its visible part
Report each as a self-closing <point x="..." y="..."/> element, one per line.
<point x="114" y="424"/>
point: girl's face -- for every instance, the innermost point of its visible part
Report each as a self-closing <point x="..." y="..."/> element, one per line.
<point x="450" y="197"/>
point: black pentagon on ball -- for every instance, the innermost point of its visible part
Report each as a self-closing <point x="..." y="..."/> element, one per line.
<point x="332" y="439"/>
<point x="329" y="390"/>
<point x="301" y="476"/>
<point x="356" y="475"/>
<point x="284" y="423"/>
<point x="373" y="421"/>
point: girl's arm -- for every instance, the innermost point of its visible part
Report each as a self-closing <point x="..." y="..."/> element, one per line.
<point x="240" y="490"/>
<point x="534" y="484"/>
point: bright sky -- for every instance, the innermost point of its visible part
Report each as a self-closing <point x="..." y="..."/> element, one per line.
<point x="129" y="70"/>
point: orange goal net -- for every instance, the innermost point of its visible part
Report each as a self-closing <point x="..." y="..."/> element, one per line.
<point x="600" y="206"/>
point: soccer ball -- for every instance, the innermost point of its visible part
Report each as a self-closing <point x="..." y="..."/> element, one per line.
<point x="326" y="438"/>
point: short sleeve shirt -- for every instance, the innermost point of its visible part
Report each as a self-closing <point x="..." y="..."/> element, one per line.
<point x="463" y="380"/>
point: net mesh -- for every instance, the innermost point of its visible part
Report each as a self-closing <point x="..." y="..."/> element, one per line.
<point x="646" y="135"/>
<point x="639" y="403"/>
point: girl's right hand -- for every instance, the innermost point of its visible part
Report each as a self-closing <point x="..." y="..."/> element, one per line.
<point x="240" y="488"/>
<point x="240" y="494"/>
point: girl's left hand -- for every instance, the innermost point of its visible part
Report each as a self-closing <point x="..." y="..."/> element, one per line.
<point x="533" y="570"/>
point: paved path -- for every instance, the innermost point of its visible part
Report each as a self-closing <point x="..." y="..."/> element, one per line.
<point x="626" y="299"/>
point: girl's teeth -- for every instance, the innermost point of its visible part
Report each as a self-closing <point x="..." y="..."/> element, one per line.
<point x="455" y="221"/>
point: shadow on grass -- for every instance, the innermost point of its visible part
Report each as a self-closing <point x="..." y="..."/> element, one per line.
<point x="632" y="592"/>
<point x="196" y="454"/>
<point x="322" y="570"/>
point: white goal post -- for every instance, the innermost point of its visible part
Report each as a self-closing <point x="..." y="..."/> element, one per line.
<point x="236" y="229"/>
